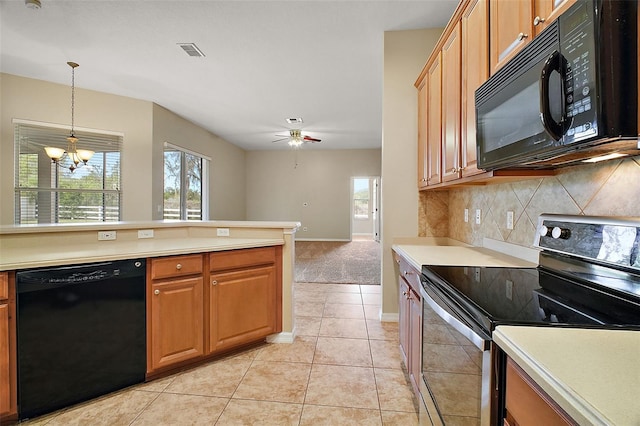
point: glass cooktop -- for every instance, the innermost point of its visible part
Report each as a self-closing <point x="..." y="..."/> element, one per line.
<point x="497" y="295"/>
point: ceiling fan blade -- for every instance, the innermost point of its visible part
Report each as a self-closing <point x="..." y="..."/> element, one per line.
<point x="280" y="140"/>
<point x="310" y="139"/>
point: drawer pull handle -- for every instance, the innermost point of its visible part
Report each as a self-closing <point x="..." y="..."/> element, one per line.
<point x="537" y="21"/>
<point x="522" y="36"/>
<point x="156" y="292"/>
<point x="214" y="282"/>
<point x="179" y="266"/>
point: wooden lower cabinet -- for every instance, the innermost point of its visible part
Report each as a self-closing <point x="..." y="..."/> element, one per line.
<point x="410" y="320"/>
<point x="204" y="304"/>
<point x="176" y="321"/>
<point x="526" y="404"/>
<point x="242" y="307"/>
<point x="8" y="383"/>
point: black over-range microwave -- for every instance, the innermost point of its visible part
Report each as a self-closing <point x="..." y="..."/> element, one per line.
<point x="570" y="94"/>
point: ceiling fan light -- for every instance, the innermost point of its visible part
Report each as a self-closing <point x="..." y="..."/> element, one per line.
<point x="54" y="153"/>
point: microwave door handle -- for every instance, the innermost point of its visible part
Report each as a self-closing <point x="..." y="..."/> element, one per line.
<point x="550" y="125"/>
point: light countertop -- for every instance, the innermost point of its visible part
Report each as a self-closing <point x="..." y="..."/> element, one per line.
<point x="66" y="244"/>
<point x="593" y="374"/>
<point x="30" y="257"/>
<point x="450" y="252"/>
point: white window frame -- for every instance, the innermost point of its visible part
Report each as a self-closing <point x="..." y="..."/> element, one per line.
<point x="206" y="162"/>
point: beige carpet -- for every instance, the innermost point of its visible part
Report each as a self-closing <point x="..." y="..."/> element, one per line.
<point x="355" y="262"/>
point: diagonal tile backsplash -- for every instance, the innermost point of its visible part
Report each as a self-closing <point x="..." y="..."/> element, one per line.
<point x="605" y="189"/>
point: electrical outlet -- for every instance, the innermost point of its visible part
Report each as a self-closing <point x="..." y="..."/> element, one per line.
<point x="222" y="232"/>
<point x="478" y="216"/>
<point x="509" y="289"/>
<point x="145" y="233"/>
<point x="106" y="235"/>
<point x="466" y="215"/>
<point x="476" y="273"/>
<point x="509" y="220"/>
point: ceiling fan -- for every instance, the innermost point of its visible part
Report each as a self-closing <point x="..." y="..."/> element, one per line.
<point x="296" y="138"/>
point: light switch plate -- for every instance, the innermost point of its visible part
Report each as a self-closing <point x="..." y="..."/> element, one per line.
<point x="466" y="215"/>
<point x="478" y="216"/>
<point x="145" y="233"/>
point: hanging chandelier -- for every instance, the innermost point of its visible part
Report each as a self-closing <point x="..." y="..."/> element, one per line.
<point x="78" y="157"/>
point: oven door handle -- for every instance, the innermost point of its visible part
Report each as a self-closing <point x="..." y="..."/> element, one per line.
<point x="457" y="321"/>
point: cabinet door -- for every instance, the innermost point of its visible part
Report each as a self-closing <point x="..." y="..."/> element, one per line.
<point x="415" y="351"/>
<point x="527" y="404"/>
<point x="451" y="94"/>
<point x="511" y="29"/>
<point x="403" y="321"/>
<point x="546" y="11"/>
<point x="423" y="172"/>
<point x="475" y="71"/>
<point x="176" y="321"/>
<point x="434" y="121"/>
<point x="5" y="383"/>
<point x="242" y="307"/>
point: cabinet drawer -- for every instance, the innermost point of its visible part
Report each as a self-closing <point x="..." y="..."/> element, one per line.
<point x="527" y="404"/>
<point x="233" y="259"/>
<point x="176" y="266"/>
<point x="409" y="273"/>
<point x="4" y="285"/>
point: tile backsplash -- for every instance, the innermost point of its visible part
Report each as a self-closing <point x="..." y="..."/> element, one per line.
<point x="610" y="188"/>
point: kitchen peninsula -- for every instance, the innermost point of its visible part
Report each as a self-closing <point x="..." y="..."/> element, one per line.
<point x="211" y="287"/>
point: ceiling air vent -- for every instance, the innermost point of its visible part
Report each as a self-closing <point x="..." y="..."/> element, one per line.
<point x="191" y="49"/>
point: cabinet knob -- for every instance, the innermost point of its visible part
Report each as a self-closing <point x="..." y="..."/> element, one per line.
<point x="214" y="282"/>
<point x="522" y="36"/>
<point x="179" y="266"/>
<point x="156" y="292"/>
<point x="537" y="21"/>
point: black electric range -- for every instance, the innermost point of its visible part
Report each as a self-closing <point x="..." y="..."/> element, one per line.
<point x="589" y="274"/>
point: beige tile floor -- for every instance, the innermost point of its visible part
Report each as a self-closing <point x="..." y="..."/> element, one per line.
<point x="343" y="368"/>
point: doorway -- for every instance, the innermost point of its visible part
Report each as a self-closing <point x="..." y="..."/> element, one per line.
<point x="365" y="208"/>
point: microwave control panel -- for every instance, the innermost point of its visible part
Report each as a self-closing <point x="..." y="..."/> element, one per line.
<point x="577" y="48"/>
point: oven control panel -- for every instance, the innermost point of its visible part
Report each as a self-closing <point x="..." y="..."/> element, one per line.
<point x="606" y="239"/>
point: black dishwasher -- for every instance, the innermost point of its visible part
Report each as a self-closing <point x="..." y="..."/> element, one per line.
<point x="81" y="333"/>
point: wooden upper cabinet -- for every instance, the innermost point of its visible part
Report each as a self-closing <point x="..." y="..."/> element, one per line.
<point x="475" y="71"/>
<point x="422" y="134"/>
<point x="511" y="29"/>
<point x="434" y="121"/>
<point x="451" y="102"/>
<point x="546" y="11"/>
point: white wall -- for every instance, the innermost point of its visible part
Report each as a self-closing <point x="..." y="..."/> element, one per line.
<point x="280" y="182"/>
<point x="405" y="53"/>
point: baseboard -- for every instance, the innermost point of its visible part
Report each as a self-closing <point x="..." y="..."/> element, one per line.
<point x="284" y="337"/>
<point x="389" y="317"/>
<point x="323" y="239"/>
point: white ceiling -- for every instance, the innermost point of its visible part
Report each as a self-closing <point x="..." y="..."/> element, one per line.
<point x="264" y="60"/>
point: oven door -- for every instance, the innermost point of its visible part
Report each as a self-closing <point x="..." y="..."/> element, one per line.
<point x="456" y="363"/>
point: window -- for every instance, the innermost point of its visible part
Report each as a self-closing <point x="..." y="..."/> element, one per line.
<point x="50" y="193"/>
<point x="361" y="199"/>
<point x="185" y="184"/>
